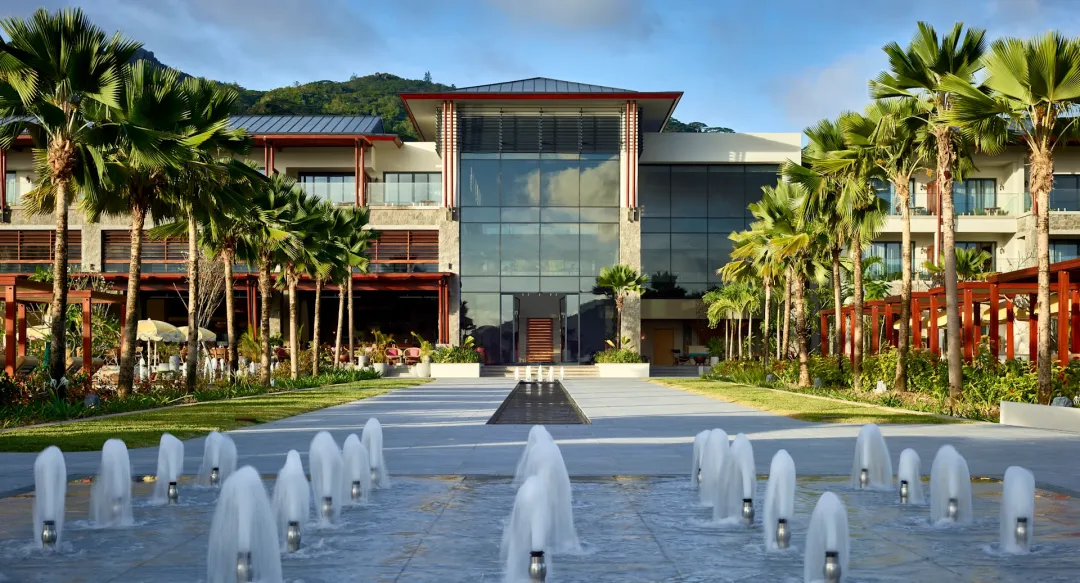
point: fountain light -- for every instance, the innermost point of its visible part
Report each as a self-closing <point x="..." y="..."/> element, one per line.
<point x="244" y="570"/>
<point x="117" y="506"/>
<point x="903" y="491"/>
<point x="537" y="567"/>
<point x="174" y="494"/>
<point x="832" y="567"/>
<point x="355" y="492"/>
<point x="1022" y="532"/>
<point x="215" y="475"/>
<point x="327" y="509"/>
<point x="783" y="534"/>
<point x="864" y="478"/>
<point x="953" y="510"/>
<point x="748" y="511"/>
<point x="292" y="536"/>
<point x="48" y="534"/>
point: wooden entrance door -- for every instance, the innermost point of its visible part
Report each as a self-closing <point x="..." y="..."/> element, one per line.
<point x="663" y="342"/>
<point x="539" y="340"/>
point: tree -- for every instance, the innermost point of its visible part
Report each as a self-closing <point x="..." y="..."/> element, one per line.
<point x="427" y="76"/>
<point x="971" y="265"/>
<point x="1030" y="93"/>
<point x="918" y="74"/>
<point x="621" y="280"/>
<point x="59" y="74"/>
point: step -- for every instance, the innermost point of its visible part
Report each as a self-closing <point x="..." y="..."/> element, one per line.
<point x="686" y="371"/>
<point x="507" y="371"/>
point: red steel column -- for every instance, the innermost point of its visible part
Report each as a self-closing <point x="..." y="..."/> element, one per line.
<point x="21" y="325"/>
<point x="995" y="333"/>
<point x="1010" y="332"/>
<point x="916" y="325"/>
<point x="358" y="156"/>
<point x="933" y="326"/>
<point x="840" y="334"/>
<point x="1074" y="327"/>
<point x="824" y="333"/>
<point x="9" y="330"/>
<point x="87" y="345"/>
<point x="890" y="337"/>
<point x="1063" y="317"/>
<point x="1033" y="329"/>
<point x="874" y="329"/>
<point x="966" y="337"/>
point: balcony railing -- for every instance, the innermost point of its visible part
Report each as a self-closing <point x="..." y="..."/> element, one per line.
<point x="1065" y="199"/>
<point x="404" y="194"/>
<point x="996" y="204"/>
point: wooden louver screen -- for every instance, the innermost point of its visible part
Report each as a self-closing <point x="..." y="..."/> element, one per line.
<point x="540" y="345"/>
<point x="36" y="246"/>
<point x="405" y="247"/>
<point x="116" y="248"/>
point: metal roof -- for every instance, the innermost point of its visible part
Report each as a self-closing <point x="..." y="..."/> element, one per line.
<point x="308" y="124"/>
<point x="541" y="85"/>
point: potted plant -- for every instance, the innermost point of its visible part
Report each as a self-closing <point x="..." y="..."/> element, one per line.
<point x="618" y="362"/>
<point x="716" y="350"/>
<point x="378" y="350"/>
<point x="423" y="368"/>
<point x="461" y="361"/>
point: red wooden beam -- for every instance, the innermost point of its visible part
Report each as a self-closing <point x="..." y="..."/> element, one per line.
<point x="967" y="336"/>
<point x="1033" y="330"/>
<point x="933" y="326"/>
<point x="1010" y="333"/>
<point x="9" y="330"/>
<point x="1074" y="326"/>
<point x="916" y="325"/>
<point x="889" y="335"/>
<point x="1063" y="318"/>
<point x="21" y="324"/>
<point x="874" y="329"/>
<point x="995" y="333"/>
<point x="87" y="344"/>
<point x="824" y="333"/>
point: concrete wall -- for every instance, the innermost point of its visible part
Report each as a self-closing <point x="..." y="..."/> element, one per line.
<point x="675" y="148"/>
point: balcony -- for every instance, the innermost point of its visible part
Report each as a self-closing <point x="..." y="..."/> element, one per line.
<point x="996" y="204"/>
<point x="425" y="194"/>
<point x="1065" y="200"/>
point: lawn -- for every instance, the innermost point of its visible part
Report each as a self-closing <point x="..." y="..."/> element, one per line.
<point x="145" y="429"/>
<point x="802" y="407"/>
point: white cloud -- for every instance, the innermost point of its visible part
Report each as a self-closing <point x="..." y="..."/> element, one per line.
<point x="616" y="15"/>
<point x="821" y="92"/>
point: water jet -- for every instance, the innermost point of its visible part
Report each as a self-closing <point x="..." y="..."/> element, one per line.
<point x="950" y="488"/>
<point x="734" y="494"/>
<point x="527" y="532"/>
<point x="544" y="461"/>
<point x="50" y="489"/>
<point x="827" y="542"/>
<point x="291" y="502"/>
<point x="910" y="476"/>
<point x="219" y="459"/>
<point x="110" y="494"/>
<point x="779" y="500"/>
<point x="327" y="481"/>
<point x="357" y="469"/>
<point x="373" y="441"/>
<point x="699" y="447"/>
<point x="1017" y="511"/>
<point x="170" y="466"/>
<point x="243" y="543"/>
<point x="872" y="466"/>
<point x="713" y="454"/>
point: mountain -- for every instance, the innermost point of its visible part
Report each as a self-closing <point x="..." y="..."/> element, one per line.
<point x="375" y="94"/>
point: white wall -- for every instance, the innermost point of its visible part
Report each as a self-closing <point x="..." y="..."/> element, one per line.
<point x="675" y="148"/>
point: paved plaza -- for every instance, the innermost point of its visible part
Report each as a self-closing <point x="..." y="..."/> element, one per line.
<point x="639" y="520"/>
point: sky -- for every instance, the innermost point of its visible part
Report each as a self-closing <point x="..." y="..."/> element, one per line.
<point x="752" y="65"/>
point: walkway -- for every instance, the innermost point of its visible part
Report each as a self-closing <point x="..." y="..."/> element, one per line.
<point x="638" y="428"/>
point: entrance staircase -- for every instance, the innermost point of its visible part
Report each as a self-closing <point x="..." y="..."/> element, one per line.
<point x="684" y="371"/>
<point x="573" y="371"/>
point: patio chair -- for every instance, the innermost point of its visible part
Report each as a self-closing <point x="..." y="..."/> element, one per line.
<point x="412" y="355"/>
<point x="678" y="356"/>
<point x="393" y="355"/>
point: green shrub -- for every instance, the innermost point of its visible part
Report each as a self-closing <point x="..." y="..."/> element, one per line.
<point x="618" y="356"/>
<point x="464" y="354"/>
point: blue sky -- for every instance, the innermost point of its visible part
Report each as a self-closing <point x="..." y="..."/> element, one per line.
<point x="753" y="65"/>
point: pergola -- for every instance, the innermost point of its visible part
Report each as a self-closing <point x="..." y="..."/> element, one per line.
<point x="995" y="298"/>
<point x="19" y="291"/>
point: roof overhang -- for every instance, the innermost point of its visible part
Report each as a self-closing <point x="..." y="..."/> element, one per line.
<point x="310" y="140"/>
<point x="655" y="107"/>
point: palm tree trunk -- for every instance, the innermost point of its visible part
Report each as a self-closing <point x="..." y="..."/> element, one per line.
<point x="838" y="307"/>
<point x="779" y="308"/>
<point x="738" y="324"/>
<point x="903" y="190"/>
<point x="750" y="334"/>
<point x="230" y="310"/>
<point x="58" y="309"/>
<point x="294" y="334"/>
<point x="765" y="335"/>
<point x="946" y="161"/>
<point x="1042" y="180"/>
<point x="800" y="332"/>
<point x="191" y="367"/>
<point x="126" y="377"/>
<point x="352" y="322"/>
<point x="857" y="303"/>
<point x="315" y="344"/>
<point x="340" y="323"/>
<point x="618" y="320"/>
<point x="787" y="314"/>
<point x="264" y="320"/>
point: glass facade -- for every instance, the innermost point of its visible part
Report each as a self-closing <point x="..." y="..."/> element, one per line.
<point x="406" y="189"/>
<point x="1066" y="193"/>
<point x="887" y="192"/>
<point x="1064" y="249"/>
<point x="336" y="187"/>
<point x="535" y="231"/>
<point x="12" y="192"/>
<point x="689" y="212"/>
<point x="974" y="196"/>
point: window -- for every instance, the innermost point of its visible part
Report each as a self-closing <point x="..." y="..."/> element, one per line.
<point x="404" y="252"/>
<point x="25" y="251"/>
<point x="1065" y="195"/>
<point x="336" y="187"/>
<point x="1064" y="249"/>
<point x="974" y="196"/>
<point x="886" y="190"/>
<point x="168" y="256"/>
<point x="406" y="189"/>
<point x="891" y="261"/>
<point x="13" y="189"/>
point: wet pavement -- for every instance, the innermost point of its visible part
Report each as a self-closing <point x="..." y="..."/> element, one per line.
<point x="633" y="529"/>
<point x="538" y="404"/>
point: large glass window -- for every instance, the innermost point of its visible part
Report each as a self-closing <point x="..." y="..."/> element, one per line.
<point x="406" y="189"/>
<point x="1066" y="193"/>
<point x="13" y="192"/>
<point x="599" y="180"/>
<point x="559" y="182"/>
<point x="1064" y="249"/>
<point x="520" y="181"/>
<point x="974" y="196"/>
<point x="479" y="182"/>
<point x="336" y="187"/>
<point x="886" y="191"/>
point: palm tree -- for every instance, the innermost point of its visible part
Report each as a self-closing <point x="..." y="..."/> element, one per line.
<point x="351" y="243"/>
<point x="970" y="265"/>
<point x="58" y="75"/>
<point x="719" y="305"/>
<point x="308" y="219"/>
<point x="1031" y="92"/>
<point x="918" y="74"/>
<point x="622" y="280"/>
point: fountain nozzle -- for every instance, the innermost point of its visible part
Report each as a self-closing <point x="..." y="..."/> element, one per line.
<point x="903" y="491"/>
<point x="864" y="478"/>
<point x="1022" y="531"/>
<point x="783" y="534"/>
<point x="327" y="508"/>
<point x="832" y="567"/>
<point x="292" y="536"/>
<point x="355" y="492"/>
<point x="48" y="534"/>
<point x="214" y="476"/>
<point x="174" y="494"/>
<point x="537" y="567"/>
<point x="748" y="511"/>
<point x="374" y="476"/>
<point x="699" y="475"/>
<point x="117" y="506"/>
<point x="244" y="570"/>
<point x="952" y="512"/>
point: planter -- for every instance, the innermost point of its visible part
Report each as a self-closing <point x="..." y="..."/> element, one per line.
<point x="714" y="360"/>
<point x="447" y="370"/>
<point x="422" y="370"/>
<point x="363" y="360"/>
<point x="636" y="370"/>
<point x="379" y="367"/>
<point x="1040" y="416"/>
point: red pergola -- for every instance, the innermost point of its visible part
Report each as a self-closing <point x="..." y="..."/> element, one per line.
<point x="998" y="294"/>
<point x="19" y="291"/>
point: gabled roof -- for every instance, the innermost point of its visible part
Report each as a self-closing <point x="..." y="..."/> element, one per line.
<point x="540" y="85"/>
<point x="308" y="124"/>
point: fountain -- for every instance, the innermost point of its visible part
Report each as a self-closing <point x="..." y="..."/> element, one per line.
<point x="712" y="463"/>
<point x="950" y="488"/>
<point x="872" y="467"/>
<point x="562" y="373"/>
<point x="528" y="373"/>
<point x="527" y="534"/>
<point x="909" y="475"/>
<point x="170" y="466"/>
<point x="243" y="539"/>
<point x="827" y="543"/>
<point x="110" y="495"/>
<point x="327" y="481"/>
<point x="734" y="496"/>
<point x="779" y="501"/>
<point x="50" y="488"/>
<point x="373" y="441"/>
<point x="357" y="469"/>
<point x="695" y="467"/>
<point x="219" y="459"/>
<point x="292" y="502"/>
<point x="536" y="434"/>
<point x="545" y="461"/>
<point x="551" y="374"/>
<point x="517" y="373"/>
<point x="539" y="373"/>
<point x="1017" y="511"/>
